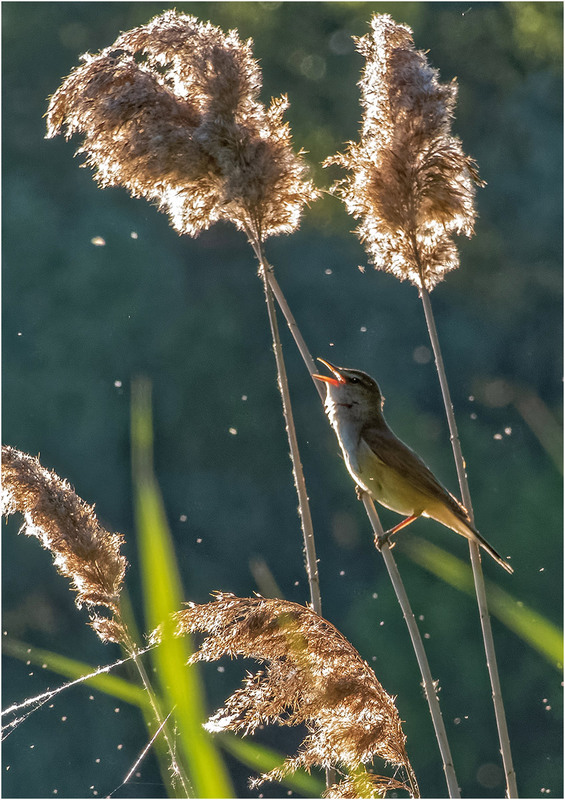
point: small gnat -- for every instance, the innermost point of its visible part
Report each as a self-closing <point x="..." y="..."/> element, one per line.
<point x="233" y="431"/>
<point x="363" y="329"/>
<point x="183" y="518"/>
<point x="508" y="431"/>
<point x="328" y="271"/>
<point x="98" y="241"/>
<point x="497" y="436"/>
<point x="118" y="384"/>
<point x="244" y="397"/>
<point x="134" y="235"/>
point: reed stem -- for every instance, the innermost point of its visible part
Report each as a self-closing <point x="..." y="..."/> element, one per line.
<point x="265" y="270"/>
<point x="177" y="769"/>
<point x="488" y="639"/>
<point x="268" y="278"/>
<point x="390" y="562"/>
<point x="418" y="645"/>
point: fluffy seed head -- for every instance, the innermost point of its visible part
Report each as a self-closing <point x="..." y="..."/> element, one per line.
<point x="67" y="526"/>
<point x="171" y="111"/>
<point x="313" y="675"/>
<point x="409" y="181"/>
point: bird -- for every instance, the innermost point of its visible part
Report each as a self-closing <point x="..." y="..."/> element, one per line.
<point x="382" y="465"/>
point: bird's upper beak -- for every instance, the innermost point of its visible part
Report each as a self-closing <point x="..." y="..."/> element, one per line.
<point x="339" y="379"/>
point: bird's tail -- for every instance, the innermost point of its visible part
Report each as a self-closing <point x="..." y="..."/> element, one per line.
<point x="482" y="542"/>
<point x="460" y="525"/>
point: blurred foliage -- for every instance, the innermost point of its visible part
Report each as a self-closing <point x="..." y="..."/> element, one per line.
<point x="181" y="687"/>
<point x="81" y="321"/>
<point x="529" y="625"/>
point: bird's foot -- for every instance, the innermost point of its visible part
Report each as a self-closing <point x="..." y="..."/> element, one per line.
<point x="385" y="539"/>
<point x="359" y="492"/>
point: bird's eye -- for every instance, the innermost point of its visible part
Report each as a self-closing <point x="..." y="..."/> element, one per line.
<point x="354" y="380"/>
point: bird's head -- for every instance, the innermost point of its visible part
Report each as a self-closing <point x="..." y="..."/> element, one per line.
<point x="352" y="389"/>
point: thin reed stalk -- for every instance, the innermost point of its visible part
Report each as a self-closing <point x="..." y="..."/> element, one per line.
<point x="266" y="271"/>
<point x="480" y="590"/>
<point x="418" y="645"/>
<point x="394" y="574"/>
<point x="178" y="772"/>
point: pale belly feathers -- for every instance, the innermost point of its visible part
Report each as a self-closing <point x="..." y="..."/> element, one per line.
<point x="372" y="475"/>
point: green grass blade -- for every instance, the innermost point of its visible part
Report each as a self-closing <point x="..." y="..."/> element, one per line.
<point x="163" y="595"/>
<point x="262" y="759"/>
<point x="72" y="668"/>
<point x="531" y="626"/>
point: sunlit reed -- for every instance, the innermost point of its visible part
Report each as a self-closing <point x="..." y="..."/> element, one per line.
<point x="82" y="549"/>
<point x="313" y="675"/>
<point x="409" y="181"/>
<point x="171" y="111"/>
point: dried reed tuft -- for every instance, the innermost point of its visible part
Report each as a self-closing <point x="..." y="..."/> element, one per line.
<point x="171" y="112"/>
<point x="314" y="676"/>
<point x="67" y="526"/>
<point x="363" y="785"/>
<point x="410" y="182"/>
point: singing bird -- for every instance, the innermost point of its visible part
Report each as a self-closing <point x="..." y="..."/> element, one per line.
<point x="390" y="471"/>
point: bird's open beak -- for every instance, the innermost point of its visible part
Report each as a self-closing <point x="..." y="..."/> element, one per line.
<point x="339" y="379"/>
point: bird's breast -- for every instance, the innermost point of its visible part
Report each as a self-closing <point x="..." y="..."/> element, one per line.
<point x="385" y="484"/>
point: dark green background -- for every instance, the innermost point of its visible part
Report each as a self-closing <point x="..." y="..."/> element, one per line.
<point x="190" y="315"/>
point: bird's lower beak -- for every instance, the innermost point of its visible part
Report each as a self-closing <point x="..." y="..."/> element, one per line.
<point x="339" y="379"/>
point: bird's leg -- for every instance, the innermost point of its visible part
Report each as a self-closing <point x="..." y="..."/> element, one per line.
<point x="387" y="534"/>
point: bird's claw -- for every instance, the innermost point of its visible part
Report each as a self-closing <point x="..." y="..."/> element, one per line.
<point x="385" y="539"/>
<point x="359" y="492"/>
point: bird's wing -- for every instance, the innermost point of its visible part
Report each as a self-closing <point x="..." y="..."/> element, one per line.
<point x="402" y="459"/>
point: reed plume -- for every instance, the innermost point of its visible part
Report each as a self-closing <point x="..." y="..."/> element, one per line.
<point x="363" y="784"/>
<point x="171" y="111"/>
<point x="313" y="676"/>
<point x="82" y="549"/>
<point x="410" y="182"/>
